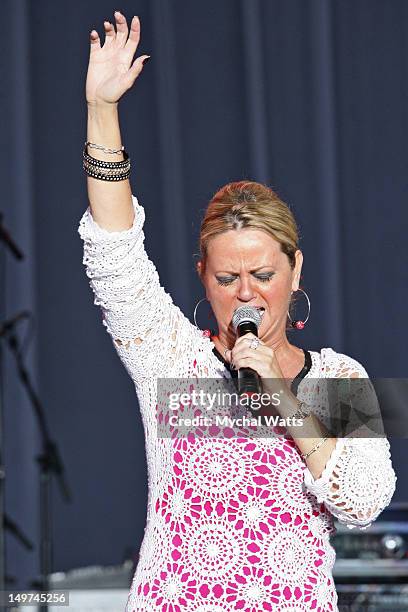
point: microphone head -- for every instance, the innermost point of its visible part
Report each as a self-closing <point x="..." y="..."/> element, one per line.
<point x="244" y="314"/>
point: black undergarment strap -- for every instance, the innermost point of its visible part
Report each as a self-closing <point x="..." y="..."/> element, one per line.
<point x="307" y="365"/>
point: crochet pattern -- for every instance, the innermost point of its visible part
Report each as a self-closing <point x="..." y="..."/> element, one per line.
<point x="232" y="523"/>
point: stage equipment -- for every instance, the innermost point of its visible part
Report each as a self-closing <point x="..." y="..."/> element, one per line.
<point x="371" y="568"/>
<point x="92" y="589"/>
<point x="49" y="461"/>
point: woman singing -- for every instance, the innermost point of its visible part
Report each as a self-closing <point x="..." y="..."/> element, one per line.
<point x="241" y="522"/>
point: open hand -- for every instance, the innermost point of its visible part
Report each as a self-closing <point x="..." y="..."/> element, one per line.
<point x="111" y="71"/>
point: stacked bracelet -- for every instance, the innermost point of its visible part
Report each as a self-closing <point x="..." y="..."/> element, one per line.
<point x="303" y="411"/>
<point x="306" y="455"/>
<point x="106" y="171"/>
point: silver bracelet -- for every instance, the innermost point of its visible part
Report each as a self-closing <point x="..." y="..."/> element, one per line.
<point x="306" y="455"/>
<point x="303" y="412"/>
<point x="92" y="145"/>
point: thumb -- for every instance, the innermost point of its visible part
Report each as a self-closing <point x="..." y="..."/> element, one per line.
<point x="136" y="68"/>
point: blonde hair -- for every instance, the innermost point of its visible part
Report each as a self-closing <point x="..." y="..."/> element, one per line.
<point x="247" y="204"/>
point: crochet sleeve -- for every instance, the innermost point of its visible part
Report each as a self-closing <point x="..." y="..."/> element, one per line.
<point x="358" y="480"/>
<point x="145" y="326"/>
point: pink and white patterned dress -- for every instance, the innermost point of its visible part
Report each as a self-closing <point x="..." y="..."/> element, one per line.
<point x="232" y="523"/>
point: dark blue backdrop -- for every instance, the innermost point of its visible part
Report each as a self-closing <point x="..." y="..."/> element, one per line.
<point x="308" y="97"/>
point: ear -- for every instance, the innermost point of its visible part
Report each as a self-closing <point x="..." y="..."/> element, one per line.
<point x="201" y="273"/>
<point x="296" y="272"/>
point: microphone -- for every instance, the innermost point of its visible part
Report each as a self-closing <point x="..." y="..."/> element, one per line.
<point x="244" y="320"/>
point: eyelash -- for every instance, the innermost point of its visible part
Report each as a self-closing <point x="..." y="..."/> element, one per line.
<point x="264" y="279"/>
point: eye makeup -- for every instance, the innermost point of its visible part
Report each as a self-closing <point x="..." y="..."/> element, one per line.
<point x="264" y="277"/>
<point x="228" y="280"/>
<point x="225" y="280"/>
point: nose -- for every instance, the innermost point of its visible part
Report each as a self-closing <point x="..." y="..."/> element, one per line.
<point x="246" y="290"/>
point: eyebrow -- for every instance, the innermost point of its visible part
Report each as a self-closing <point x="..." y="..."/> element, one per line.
<point x="251" y="271"/>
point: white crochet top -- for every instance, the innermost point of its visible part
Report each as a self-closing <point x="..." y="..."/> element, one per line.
<point x="232" y="523"/>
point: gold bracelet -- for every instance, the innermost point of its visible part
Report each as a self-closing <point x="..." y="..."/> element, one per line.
<point x="318" y="445"/>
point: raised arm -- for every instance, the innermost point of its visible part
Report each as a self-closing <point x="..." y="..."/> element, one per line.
<point x="111" y="72"/>
<point x="149" y="332"/>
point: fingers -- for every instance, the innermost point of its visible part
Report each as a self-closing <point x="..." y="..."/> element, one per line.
<point x="247" y="353"/>
<point x="251" y="362"/>
<point x="247" y="337"/>
<point x="95" y="41"/>
<point x="121" y="35"/>
<point x="121" y="28"/>
<point x="243" y="349"/>
<point x="245" y="361"/>
<point x="228" y="355"/>
<point x="135" y="69"/>
<point x="247" y="340"/>
<point x="134" y="36"/>
<point x="110" y="33"/>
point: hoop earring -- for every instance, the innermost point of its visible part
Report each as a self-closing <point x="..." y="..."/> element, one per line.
<point x="207" y="333"/>
<point x="301" y="324"/>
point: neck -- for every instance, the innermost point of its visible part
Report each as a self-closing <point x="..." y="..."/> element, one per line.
<point x="278" y="343"/>
<point x="289" y="357"/>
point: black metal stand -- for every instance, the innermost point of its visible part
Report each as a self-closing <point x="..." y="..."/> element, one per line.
<point x="2" y="470"/>
<point x="17" y="532"/>
<point x="9" y="242"/>
<point x="17" y="253"/>
<point x="49" y="461"/>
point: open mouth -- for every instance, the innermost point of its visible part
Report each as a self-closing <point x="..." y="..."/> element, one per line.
<point x="261" y="310"/>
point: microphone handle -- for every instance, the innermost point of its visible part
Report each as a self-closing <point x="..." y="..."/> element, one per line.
<point x="247" y="327"/>
<point x="249" y="381"/>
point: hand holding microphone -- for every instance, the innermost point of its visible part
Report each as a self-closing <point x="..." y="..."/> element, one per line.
<point x="253" y="359"/>
<point x="246" y="320"/>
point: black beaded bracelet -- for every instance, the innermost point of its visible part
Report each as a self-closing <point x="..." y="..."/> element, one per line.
<point x="107" y="177"/>
<point x="104" y="170"/>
